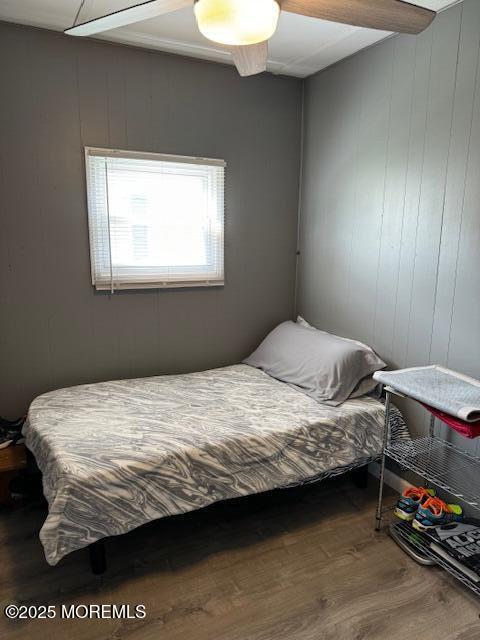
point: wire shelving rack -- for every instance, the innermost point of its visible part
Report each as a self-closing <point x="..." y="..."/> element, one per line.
<point x="439" y="463"/>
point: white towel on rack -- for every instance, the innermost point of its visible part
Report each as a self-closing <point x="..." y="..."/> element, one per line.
<point x="446" y="390"/>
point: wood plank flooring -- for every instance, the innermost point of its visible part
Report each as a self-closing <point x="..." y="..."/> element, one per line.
<point x="302" y="564"/>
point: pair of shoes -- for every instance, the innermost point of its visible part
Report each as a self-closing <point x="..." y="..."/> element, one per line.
<point x="424" y="510"/>
<point x="11" y="432"/>
<point x="410" y="500"/>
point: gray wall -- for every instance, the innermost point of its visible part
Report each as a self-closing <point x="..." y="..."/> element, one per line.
<point x="390" y="220"/>
<point x="59" y="94"/>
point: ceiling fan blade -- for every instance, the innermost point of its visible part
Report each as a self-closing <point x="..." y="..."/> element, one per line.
<point x="121" y="18"/>
<point x="250" y="59"/>
<point x="387" y="15"/>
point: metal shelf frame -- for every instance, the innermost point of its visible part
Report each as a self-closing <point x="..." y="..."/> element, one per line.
<point x="439" y="463"/>
<point x="419" y="542"/>
<point x="442" y="464"/>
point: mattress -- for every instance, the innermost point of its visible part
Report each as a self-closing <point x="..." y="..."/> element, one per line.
<point x="115" y="455"/>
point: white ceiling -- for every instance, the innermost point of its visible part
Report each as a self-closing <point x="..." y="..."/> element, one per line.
<point x="300" y="47"/>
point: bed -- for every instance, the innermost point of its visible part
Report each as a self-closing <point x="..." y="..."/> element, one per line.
<point x="115" y="455"/>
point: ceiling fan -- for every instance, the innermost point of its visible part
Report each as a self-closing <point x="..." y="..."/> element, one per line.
<point x="245" y="26"/>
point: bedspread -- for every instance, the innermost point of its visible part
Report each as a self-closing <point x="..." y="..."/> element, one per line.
<point x="115" y="455"/>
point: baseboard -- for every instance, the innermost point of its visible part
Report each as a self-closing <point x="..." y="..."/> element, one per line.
<point x="391" y="479"/>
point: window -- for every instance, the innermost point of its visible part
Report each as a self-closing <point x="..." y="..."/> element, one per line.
<point x="155" y="220"/>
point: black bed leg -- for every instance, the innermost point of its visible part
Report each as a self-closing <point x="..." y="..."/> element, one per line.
<point x="360" y="477"/>
<point x="98" y="562"/>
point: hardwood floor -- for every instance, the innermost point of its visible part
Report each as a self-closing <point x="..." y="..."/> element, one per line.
<point x="294" y="565"/>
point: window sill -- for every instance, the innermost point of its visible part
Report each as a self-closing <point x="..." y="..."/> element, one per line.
<point x="187" y="284"/>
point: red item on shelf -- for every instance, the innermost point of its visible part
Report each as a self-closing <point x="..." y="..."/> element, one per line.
<point x="466" y="429"/>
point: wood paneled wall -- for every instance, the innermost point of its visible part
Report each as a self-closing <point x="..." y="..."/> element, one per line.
<point x="59" y="94"/>
<point x="390" y="221"/>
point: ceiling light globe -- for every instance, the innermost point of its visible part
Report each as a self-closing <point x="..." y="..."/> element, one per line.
<point x="237" y="22"/>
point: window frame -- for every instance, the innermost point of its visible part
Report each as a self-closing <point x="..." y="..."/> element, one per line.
<point x="98" y="281"/>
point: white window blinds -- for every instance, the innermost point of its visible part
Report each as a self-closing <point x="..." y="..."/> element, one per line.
<point x="155" y="220"/>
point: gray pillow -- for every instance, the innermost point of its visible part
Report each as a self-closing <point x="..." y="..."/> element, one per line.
<point x="365" y="386"/>
<point x="325" y="367"/>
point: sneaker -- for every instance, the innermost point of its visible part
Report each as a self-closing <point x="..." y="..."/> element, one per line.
<point x="5" y="440"/>
<point x="410" y="500"/>
<point x="435" y="512"/>
<point x="11" y="432"/>
<point x="10" y="437"/>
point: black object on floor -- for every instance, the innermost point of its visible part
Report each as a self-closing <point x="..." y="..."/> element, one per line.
<point x="98" y="561"/>
<point x="28" y="486"/>
<point x="360" y="477"/>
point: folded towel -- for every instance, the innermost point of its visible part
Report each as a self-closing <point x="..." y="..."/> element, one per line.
<point x="466" y="429"/>
<point x="443" y="389"/>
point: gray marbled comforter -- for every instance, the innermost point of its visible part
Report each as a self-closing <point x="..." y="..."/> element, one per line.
<point x="115" y="455"/>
